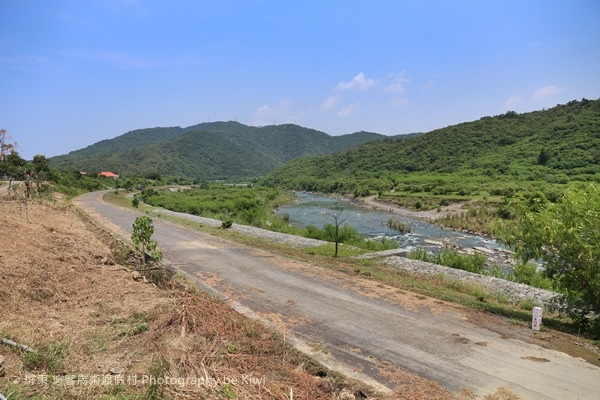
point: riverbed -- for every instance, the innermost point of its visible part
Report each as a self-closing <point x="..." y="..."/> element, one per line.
<point x="311" y="209"/>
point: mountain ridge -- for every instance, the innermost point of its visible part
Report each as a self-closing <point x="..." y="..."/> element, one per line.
<point x="210" y="150"/>
<point x="559" y="144"/>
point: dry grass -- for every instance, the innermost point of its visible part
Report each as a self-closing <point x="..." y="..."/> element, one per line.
<point x="62" y="294"/>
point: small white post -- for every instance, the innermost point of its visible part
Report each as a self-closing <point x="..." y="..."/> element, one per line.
<point x="536" y="320"/>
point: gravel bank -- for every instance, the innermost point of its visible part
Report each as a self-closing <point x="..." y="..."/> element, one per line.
<point x="515" y="291"/>
<point x="292" y="240"/>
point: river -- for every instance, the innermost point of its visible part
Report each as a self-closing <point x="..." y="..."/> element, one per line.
<point x="309" y="209"/>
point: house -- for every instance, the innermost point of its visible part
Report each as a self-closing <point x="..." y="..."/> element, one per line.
<point x="108" y="174"/>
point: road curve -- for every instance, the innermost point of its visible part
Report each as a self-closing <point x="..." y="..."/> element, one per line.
<point x="365" y="325"/>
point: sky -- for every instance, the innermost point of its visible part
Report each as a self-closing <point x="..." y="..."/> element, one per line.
<point x="73" y="72"/>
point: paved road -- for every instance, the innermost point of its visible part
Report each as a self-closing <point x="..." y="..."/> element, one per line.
<point x="363" y="324"/>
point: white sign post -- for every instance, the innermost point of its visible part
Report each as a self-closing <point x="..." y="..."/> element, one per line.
<point x="536" y="320"/>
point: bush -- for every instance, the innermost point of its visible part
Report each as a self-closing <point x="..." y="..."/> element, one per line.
<point x="527" y="273"/>
<point x="399" y="226"/>
<point x="349" y="235"/>
<point x="226" y="224"/>
<point x="565" y="236"/>
<point x="451" y="258"/>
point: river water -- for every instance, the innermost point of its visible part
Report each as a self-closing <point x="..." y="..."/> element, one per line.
<point x="310" y="209"/>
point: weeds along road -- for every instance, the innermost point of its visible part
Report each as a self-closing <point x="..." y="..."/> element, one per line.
<point x="366" y="326"/>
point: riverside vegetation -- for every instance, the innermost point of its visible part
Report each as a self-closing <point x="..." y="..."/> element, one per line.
<point x="249" y="205"/>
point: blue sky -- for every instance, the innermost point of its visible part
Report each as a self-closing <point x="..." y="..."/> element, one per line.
<point x="76" y="72"/>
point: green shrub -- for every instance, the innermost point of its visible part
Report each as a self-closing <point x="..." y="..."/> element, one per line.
<point x="226" y="224"/>
<point x="527" y="273"/>
<point x="349" y="235"/>
<point x="399" y="226"/>
<point x="451" y="258"/>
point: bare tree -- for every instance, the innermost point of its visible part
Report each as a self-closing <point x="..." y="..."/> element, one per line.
<point x="10" y="161"/>
<point x="339" y="217"/>
<point x="6" y="147"/>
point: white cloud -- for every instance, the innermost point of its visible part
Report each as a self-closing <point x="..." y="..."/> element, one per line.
<point x="329" y="103"/>
<point x="277" y="114"/>
<point x="545" y="92"/>
<point x="393" y="83"/>
<point x="359" y="82"/>
<point x="512" y="102"/>
<point x="540" y="95"/>
<point x="397" y="85"/>
<point x="348" y="110"/>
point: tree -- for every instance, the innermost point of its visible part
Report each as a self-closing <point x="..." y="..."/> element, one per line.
<point x="339" y="217"/>
<point x="143" y="229"/>
<point x="40" y="168"/>
<point x="566" y="236"/>
<point x="12" y="168"/>
<point x="543" y="157"/>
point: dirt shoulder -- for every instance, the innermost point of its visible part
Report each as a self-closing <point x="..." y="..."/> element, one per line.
<point x="98" y="332"/>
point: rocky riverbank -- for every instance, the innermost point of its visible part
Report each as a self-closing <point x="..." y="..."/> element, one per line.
<point x="516" y="292"/>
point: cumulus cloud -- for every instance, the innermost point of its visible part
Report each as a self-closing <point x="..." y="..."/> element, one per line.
<point x="348" y="110"/>
<point x="279" y="113"/>
<point x="352" y="93"/>
<point x="397" y="84"/>
<point x="329" y="103"/>
<point x="545" y="92"/>
<point x="359" y="82"/>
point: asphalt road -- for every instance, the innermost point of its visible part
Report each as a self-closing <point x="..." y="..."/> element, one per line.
<point x="362" y="325"/>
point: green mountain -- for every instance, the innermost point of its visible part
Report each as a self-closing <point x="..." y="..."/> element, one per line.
<point x="208" y="151"/>
<point x="557" y="145"/>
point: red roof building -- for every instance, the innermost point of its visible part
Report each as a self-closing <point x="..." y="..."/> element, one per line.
<point x="108" y="174"/>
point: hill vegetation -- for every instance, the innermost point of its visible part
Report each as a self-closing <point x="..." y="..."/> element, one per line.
<point x="557" y="145"/>
<point x="217" y="150"/>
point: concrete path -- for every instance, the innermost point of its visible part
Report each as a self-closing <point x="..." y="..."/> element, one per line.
<point x="365" y="325"/>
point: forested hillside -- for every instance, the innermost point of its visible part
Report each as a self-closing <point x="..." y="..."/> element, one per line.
<point x="557" y="145"/>
<point x="207" y="151"/>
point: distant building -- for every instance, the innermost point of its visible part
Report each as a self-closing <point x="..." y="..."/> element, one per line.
<point x="108" y="174"/>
